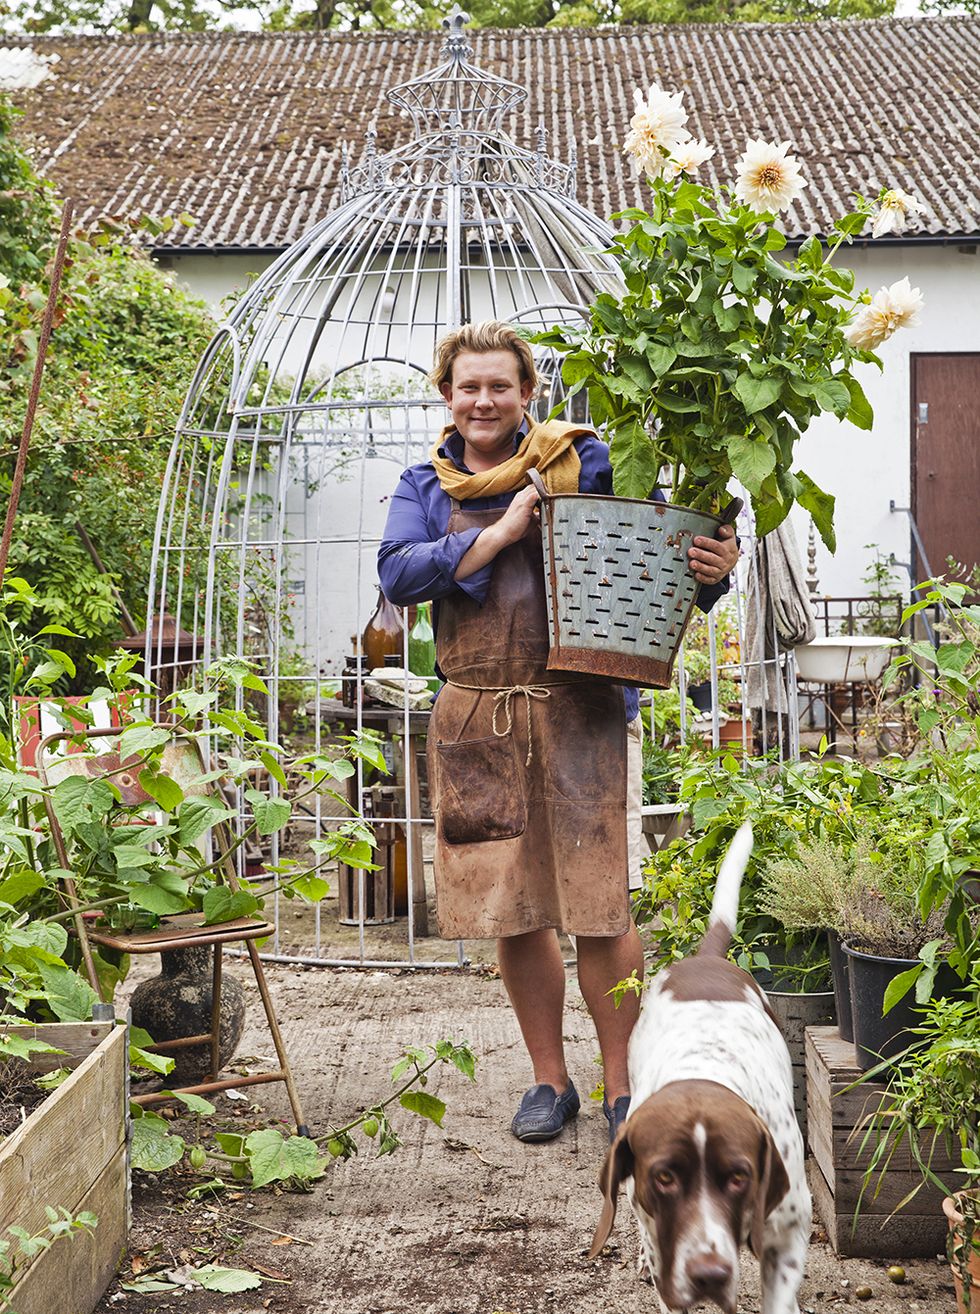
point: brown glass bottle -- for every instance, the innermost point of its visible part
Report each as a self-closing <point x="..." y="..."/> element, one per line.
<point x="383" y="633"/>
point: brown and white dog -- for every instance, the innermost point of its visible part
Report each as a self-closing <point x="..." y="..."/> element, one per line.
<point x="711" y="1149"/>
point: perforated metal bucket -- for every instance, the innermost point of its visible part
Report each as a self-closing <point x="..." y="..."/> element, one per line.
<point x="620" y="590"/>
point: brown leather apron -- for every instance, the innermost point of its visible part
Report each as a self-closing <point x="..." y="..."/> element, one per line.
<point x="527" y="767"/>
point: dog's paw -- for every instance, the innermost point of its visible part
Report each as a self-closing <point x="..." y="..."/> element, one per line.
<point x="644" y="1267"/>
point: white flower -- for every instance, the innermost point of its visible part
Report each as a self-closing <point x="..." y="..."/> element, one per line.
<point x="687" y="157"/>
<point x="768" y="178"/>
<point x="891" y="308"/>
<point x="21" y="68"/>
<point x="657" y="127"/>
<point x="894" y="208"/>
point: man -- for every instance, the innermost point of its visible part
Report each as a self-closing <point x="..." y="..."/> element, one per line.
<point x="527" y="766"/>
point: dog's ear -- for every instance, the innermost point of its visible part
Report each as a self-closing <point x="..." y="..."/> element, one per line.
<point x="617" y="1166"/>
<point x="773" y="1185"/>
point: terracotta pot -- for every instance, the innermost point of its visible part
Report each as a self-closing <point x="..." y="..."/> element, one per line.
<point x="964" y="1255"/>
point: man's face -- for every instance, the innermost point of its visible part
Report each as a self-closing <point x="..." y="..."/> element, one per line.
<point x="486" y="399"/>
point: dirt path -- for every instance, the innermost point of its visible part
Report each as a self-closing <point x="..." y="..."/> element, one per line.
<point x="462" y="1219"/>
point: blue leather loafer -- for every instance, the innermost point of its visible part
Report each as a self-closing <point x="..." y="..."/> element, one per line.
<point x="616" y="1115"/>
<point x="543" y="1113"/>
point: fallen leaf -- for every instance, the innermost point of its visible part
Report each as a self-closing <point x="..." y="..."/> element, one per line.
<point x="271" y="1272"/>
<point x="281" y="1241"/>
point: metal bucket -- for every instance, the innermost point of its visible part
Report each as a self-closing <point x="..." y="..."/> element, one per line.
<point x="620" y="590"/>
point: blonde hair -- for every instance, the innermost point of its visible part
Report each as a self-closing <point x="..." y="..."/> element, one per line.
<point x="490" y="335"/>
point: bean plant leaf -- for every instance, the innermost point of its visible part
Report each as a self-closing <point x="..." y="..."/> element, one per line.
<point x="142" y="738"/>
<point x="197" y="815"/>
<point x="424" y="1104"/>
<point x="273" y="1159"/>
<point x="154" y="1148"/>
<point x="162" y="789"/>
<point x="311" y="888"/>
<point x="20" y="885"/>
<point x="271" y="814"/>
<point x="224" y="905"/>
<point x="195" y="1103"/>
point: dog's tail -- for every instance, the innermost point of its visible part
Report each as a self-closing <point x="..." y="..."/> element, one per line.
<point x="724" y="906"/>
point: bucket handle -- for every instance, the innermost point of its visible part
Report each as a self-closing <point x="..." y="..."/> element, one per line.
<point x="727" y="517"/>
<point x="538" y="483"/>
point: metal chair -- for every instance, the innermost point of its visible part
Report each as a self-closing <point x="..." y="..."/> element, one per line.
<point x="178" y="931"/>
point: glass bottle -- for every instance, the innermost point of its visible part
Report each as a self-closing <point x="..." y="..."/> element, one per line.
<point x="383" y="633"/>
<point x="422" y="645"/>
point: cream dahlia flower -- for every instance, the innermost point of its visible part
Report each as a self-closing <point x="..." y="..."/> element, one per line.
<point x="894" y="209"/>
<point x="656" y="129"/>
<point x="891" y="308"/>
<point x="687" y="157"/>
<point x="768" y="178"/>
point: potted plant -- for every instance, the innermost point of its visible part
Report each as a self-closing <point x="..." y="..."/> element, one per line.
<point x="713" y="360"/>
<point x="931" y="1109"/>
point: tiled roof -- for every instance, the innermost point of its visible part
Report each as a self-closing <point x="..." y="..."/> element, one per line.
<point x="245" y="130"/>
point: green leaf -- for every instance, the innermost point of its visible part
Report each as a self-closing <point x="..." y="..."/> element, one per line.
<point x="270" y="814"/>
<point x="425" y="1105"/>
<point x="832" y="395"/>
<point x="77" y="800"/>
<point x="197" y="815"/>
<point x="224" y="905"/>
<point x="637" y="369"/>
<point x="821" y="508"/>
<point x="660" y="357"/>
<point x="860" y="412"/>
<point x="232" y="1143"/>
<point x="153" y="1148"/>
<point x="900" y="986"/>
<point x="142" y="738"/>
<point x="311" y="888"/>
<point x="752" y="460"/>
<point x="273" y="1159"/>
<point x="756" y="394"/>
<point x="194" y="1102"/>
<point x="69" y="997"/>
<point x="851" y="224"/>
<point x="214" y="1278"/>
<point x="634" y="461"/>
<point x="156" y="899"/>
<point x="20" y="885"/>
<point x="162" y="789"/>
<point x="727" y="318"/>
<point x="275" y="770"/>
<point x="143" y="1058"/>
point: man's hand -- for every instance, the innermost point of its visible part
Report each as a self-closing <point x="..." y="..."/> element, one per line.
<point x="711" y="559"/>
<point x="510" y="528"/>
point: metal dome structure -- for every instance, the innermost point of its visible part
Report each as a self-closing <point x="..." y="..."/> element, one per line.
<point x="313" y="395"/>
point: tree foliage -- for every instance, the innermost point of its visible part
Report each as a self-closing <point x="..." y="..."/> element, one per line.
<point x="125" y="344"/>
<point x="388" y="15"/>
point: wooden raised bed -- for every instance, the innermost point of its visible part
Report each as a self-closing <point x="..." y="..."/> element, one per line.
<point x="71" y="1153"/>
<point x="838" y="1164"/>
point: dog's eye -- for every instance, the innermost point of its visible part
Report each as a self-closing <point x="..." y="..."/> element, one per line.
<point x="665" y="1178"/>
<point x="738" y="1180"/>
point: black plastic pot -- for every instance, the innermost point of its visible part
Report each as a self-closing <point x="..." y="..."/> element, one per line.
<point x="700" y="695"/>
<point x="877" y="1037"/>
<point x="842" y="985"/>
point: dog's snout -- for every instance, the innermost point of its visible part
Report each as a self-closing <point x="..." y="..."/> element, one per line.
<point x="709" y="1273"/>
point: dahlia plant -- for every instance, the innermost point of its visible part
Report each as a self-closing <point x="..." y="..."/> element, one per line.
<point x="715" y="357"/>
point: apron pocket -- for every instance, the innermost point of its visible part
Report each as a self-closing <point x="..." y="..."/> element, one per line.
<point x="480" y="791"/>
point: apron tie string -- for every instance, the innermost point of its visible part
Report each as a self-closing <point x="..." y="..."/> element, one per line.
<point x="503" y="702"/>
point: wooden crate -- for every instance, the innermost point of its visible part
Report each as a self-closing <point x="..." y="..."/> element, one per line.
<point x="71" y="1152"/>
<point x="837" y="1167"/>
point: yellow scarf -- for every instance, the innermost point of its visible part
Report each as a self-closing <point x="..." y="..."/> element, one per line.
<point x="547" y="446"/>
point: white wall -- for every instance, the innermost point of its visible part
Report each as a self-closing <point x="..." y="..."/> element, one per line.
<point x="863" y="470"/>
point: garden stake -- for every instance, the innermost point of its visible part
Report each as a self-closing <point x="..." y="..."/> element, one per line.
<point x="42" y="351"/>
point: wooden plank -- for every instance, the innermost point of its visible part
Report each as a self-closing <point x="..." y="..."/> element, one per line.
<point x="908" y="1236"/>
<point x="34" y="1168"/>
<point x="77" y="1039"/>
<point x="71" y="1277"/>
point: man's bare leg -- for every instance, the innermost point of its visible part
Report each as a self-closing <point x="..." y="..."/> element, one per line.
<point x="602" y="962"/>
<point x="533" y="972"/>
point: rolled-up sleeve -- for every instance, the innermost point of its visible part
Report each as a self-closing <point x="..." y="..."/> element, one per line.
<point x="412" y="567"/>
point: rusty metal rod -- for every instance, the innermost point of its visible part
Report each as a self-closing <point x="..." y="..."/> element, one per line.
<point x="42" y="351"/>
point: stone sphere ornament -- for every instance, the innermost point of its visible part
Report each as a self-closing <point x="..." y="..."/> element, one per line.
<point x="177" y="1003"/>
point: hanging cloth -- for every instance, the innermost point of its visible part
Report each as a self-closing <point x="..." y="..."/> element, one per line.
<point x="779" y="615"/>
<point x="547" y="446"/>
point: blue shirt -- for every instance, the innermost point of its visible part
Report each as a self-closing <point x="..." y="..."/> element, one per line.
<point x="417" y="560"/>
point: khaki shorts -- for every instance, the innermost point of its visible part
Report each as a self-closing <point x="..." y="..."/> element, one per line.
<point x="637" y="846"/>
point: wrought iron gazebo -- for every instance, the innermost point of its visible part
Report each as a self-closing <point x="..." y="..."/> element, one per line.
<point x="313" y="395"/>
